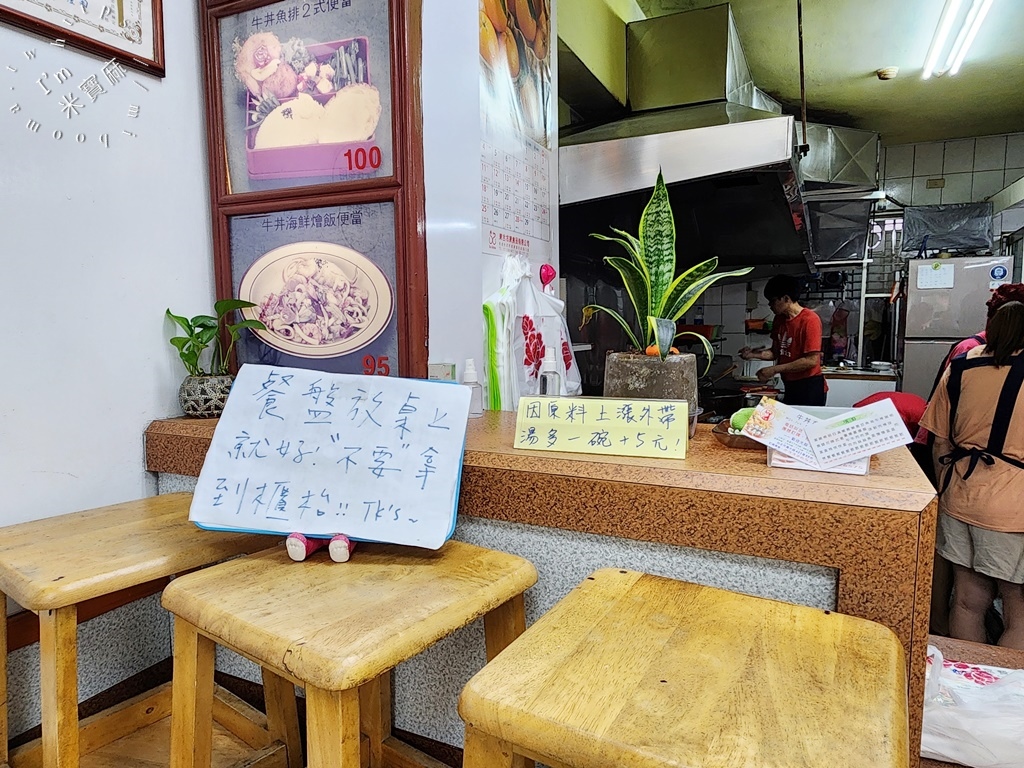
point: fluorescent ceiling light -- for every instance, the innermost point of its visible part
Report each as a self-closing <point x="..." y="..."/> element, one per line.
<point x="959" y="52"/>
<point x="949" y="14"/>
<point x="965" y="28"/>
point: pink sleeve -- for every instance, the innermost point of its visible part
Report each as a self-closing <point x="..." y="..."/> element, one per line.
<point x="964" y="347"/>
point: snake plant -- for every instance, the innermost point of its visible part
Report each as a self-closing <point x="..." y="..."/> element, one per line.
<point x="659" y="296"/>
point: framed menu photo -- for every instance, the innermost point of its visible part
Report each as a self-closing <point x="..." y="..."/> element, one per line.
<point x="130" y="31"/>
<point x="304" y="93"/>
<point x="324" y="283"/>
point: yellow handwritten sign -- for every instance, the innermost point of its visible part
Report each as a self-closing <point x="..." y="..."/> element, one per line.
<point x="603" y="426"/>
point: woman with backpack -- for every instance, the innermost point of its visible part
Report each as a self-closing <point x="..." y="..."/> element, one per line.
<point x="977" y="418"/>
<point x="921" y="448"/>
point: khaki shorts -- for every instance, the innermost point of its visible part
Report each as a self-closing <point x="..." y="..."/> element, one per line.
<point x="993" y="553"/>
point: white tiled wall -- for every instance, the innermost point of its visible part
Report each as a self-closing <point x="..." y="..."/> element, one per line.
<point x="971" y="169"/>
<point x="726" y="305"/>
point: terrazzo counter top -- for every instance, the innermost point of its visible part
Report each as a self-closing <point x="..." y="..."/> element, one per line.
<point x="179" y="446"/>
<point x="875" y="533"/>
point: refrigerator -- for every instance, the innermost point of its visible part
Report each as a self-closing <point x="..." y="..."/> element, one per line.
<point x="945" y="304"/>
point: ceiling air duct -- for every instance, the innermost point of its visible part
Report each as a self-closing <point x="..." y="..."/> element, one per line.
<point x="840" y="185"/>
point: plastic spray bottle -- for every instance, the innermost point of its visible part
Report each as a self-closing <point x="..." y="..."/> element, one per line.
<point x="550" y="379"/>
<point x="476" y="392"/>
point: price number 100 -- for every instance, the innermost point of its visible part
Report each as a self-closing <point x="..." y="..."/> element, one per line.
<point x="360" y="158"/>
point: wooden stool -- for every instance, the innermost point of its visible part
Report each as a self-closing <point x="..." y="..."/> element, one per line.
<point x="642" y="671"/>
<point x="50" y="566"/>
<point x="337" y="629"/>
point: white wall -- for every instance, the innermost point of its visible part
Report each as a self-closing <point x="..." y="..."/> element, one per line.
<point x="96" y="244"/>
<point x="460" y="274"/>
<point x="451" y="168"/>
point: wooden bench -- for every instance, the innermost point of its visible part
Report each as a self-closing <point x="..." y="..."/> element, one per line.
<point x="338" y="630"/>
<point x="50" y="566"/>
<point x="647" y="672"/>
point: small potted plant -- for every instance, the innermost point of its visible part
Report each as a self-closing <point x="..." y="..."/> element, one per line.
<point x="204" y="390"/>
<point x="660" y="297"/>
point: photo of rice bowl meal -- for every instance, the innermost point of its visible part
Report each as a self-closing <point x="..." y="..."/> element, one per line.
<point x="349" y="115"/>
<point x="317" y="299"/>
<point x="305" y="103"/>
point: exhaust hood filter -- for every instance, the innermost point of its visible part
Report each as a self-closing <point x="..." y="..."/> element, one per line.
<point x="840" y="229"/>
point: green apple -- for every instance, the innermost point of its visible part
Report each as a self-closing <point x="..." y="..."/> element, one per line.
<point x="740" y="418"/>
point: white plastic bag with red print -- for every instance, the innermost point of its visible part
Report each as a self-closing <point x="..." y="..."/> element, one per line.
<point x="973" y="715"/>
<point x="539" y="323"/>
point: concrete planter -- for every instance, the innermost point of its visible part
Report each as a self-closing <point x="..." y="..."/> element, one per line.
<point x="632" y="375"/>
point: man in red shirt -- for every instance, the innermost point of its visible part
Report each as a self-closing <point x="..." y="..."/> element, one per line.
<point x="796" y="345"/>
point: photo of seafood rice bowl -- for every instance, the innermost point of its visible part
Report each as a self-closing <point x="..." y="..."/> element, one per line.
<point x="319" y="303"/>
<point x="317" y="299"/>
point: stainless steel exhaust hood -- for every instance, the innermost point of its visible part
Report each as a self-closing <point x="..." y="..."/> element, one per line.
<point x="685" y="144"/>
<point x="725" y="149"/>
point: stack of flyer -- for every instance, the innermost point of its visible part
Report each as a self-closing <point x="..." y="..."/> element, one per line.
<point x="844" y="443"/>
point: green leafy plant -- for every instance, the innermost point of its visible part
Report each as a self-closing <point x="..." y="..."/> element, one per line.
<point x="659" y="296"/>
<point x="202" y="331"/>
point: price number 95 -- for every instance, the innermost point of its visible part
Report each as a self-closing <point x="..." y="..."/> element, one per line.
<point x="376" y="366"/>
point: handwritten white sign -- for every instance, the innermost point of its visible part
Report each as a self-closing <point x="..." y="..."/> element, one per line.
<point x="373" y="457"/>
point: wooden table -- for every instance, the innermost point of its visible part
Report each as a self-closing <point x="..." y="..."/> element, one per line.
<point x="877" y="531"/>
<point x="336" y="630"/>
<point x="636" y="670"/>
<point x="49" y="566"/>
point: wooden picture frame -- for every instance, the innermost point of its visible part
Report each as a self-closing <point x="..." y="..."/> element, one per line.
<point x="402" y="188"/>
<point x="130" y="31"/>
<point x="323" y="279"/>
<point x="255" y="78"/>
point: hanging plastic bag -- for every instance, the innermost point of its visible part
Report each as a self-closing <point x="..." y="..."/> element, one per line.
<point x="520" y="320"/>
<point x="540" y="323"/>
<point x="502" y="387"/>
<point x="973" y="715"/>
